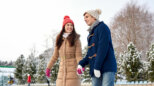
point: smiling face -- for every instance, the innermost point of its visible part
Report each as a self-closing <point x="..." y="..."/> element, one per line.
<point x="68" y="27"/>
<point x="89" y="19"/>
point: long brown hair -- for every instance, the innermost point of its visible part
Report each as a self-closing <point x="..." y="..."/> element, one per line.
<point x="71" y="38"/>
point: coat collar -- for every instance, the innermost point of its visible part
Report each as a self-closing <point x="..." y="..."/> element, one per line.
<point x="65" y="35"/>
<point x="93" y="25"/>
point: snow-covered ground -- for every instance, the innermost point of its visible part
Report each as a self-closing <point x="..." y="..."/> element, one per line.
<point x="125" y="82"/>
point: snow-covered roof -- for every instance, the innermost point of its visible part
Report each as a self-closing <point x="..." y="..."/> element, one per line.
<point x="7" y="69"/>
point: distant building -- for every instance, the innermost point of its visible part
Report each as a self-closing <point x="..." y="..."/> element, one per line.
<point x="5" y="73"/>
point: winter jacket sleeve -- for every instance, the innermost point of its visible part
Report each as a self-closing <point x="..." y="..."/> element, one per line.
<point x="53" y="58"/>
<point x="78" y="51"/>
<point x="84" y="61"/>
<point x="103" y="44"/>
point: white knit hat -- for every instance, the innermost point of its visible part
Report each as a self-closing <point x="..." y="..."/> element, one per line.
<point x="95" y="13"/>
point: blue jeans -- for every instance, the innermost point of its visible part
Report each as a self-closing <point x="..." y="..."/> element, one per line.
<point x="106" y="79"/>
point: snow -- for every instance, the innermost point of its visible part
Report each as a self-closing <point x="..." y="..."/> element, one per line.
<point x="7" y="71"/>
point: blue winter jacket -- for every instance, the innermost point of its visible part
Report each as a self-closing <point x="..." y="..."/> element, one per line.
<point x="100" y="53"/>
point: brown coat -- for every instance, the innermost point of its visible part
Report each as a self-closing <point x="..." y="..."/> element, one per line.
<point x="69" y="58"/>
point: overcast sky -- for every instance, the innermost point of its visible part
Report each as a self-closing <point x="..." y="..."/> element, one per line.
<point x="25" y="24"/>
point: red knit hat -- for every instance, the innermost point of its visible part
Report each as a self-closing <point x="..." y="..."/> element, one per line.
<point x="67" y="20"/>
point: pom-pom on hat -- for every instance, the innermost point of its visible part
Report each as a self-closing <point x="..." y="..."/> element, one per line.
<point x="67" y="20"/>
<point x="95" y="13"/>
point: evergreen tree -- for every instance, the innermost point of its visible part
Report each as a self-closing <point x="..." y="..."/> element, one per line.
<point x="47" y="54"/>
<point x="18" y="71"/>
<point x="31" y="67"/>
<point x="25" y="71"/>
<point x="120" y="69"/>
<point x="143" y="75"/>
<point x="150" y="55"/>
<point x="54" y="71"/>
<point x="132" y="64"/>
<point x="86" y="76"/>
<point x="41" y="70"/>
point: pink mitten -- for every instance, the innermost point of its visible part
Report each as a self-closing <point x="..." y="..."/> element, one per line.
<point x="80" y="69"/>
<point x="48" y="72"/>
<point x="83" y="69"/>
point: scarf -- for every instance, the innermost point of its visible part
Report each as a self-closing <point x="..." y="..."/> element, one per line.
<point x="65" y="35"/>
<point x="93" y="25"/>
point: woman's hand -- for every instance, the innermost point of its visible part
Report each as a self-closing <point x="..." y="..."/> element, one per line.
<point x="48" y="72"/>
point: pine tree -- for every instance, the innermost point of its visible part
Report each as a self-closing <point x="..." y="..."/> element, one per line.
<point x="150" y="55"/>
<point x="120" y="69"/>
<point x="24" y="71"/>
<point x="41" y="70"/>
<point x="143" y="75"/>
<point x="86" y="75"/>
<point x="31" y="67"/>
<point x="18" y="71"/>
<point x="132" y="64"/>
<point x="54" y="71"/>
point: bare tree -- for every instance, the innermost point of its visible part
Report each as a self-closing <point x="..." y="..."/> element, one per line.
<point x="33" y="51"/>
<point x="132" y="24"/>
<point x="49" y="45"/>
<point x="50" y="40"/>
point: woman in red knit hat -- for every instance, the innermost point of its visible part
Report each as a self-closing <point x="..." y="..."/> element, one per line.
<point x="68" y="49"/>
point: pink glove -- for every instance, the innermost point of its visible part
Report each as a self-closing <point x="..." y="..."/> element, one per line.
<point x="80" y="70"/>
<point x="48" y="72"/>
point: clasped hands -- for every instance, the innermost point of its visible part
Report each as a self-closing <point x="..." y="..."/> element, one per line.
<point x="80" y="71"/>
